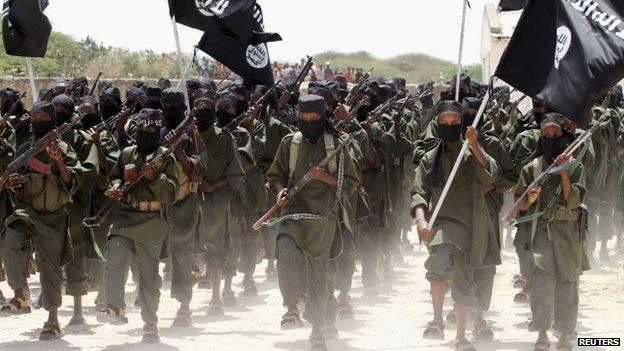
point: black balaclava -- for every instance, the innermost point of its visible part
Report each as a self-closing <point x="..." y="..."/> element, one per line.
<point x="223" y="116"/>
<point x="191" y="87"/>
<point x="148" y="142"/>
<point x="203" y="109"/>
<point x="470" y="103"/>
<point x="68" y="105"/>
<point x="450" y="133"/>
<point x="241" y="104"/>
<point x="41" y="128"/>
<point x="552" y="147"/>
<point x="312" y="130"/>
<point x="133" y="94"/>
<point x="9" y="96"/>
<point x="110" y="102"/>
<point x="173" y="114"/>
<point x="152" y="98"/>
<point x="90" y="120"/>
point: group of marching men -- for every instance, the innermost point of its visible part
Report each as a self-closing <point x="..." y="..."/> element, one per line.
<point x="183" y="177"/>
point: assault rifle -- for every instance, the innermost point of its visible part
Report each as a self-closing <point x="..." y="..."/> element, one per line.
<point x="352" y="113"/>
<point x="111" y="122"/>
<point x="380" y="110"/>
<point x="14" y="106"/>
<point x="296" y="85"/>
<point x="549" y="172"/>
<point x="351" y="98"/>
<point x="253" y="111"/>
<point x="97" y="79"/>
<point x="177" y="136"/>
<point x="39" y="146"/>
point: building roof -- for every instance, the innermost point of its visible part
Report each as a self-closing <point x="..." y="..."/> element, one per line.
<point x="502" y="24"/>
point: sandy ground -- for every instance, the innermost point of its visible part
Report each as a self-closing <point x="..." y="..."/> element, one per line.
<point x="393" y="322"/>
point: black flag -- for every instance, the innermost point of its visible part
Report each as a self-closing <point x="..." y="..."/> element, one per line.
<point x="566" y="53"/>
<point x="231" y="17"/>
<point x="247" y="60"/>
<point x="25" y="29"/>
<point x="511" y="5"/>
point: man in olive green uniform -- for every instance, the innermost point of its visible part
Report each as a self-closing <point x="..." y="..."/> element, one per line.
<point x="459" y="241"/>
<point x="7" y="152"/>
<point x="82" y="238"/>
<point x="40" y="215"/>
<point x="319" y="202"/>
<point x="140" y="226"/>
<point x="555" y="236"/>
<point x="222" y="178"/>
<point x="185" y="213"/>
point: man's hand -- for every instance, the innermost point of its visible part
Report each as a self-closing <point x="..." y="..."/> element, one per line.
<point x="281" y="197"/>
<point x="95" y="137"/>
<point x="472" y="135"/>
<point x="533" y="194"/>
<point x="424" y="233"/>
<point x="206" y="187"/>
<point x="149" y="171"/>
<point x="114" y="191"/>
<point x="55" y="152"/>
<point x="562" y="159"/>
<point x="15" y="182"/>
<point x="318" y="173"/>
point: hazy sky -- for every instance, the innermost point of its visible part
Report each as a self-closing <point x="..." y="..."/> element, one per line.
<point x="384" y="28"/>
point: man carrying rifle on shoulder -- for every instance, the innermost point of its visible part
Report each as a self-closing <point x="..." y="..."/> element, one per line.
<point x="40" y="194"/>
<point x="140" y="224"/>
<point x="311" y="220"/>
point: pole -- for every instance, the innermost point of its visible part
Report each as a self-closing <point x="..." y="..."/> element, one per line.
<point x="182" y="71"/>
<point x="457" y="162"/>
<point x="461" y="49"/>
<point x="188" y="66"/>
<point x="31" y="77"/>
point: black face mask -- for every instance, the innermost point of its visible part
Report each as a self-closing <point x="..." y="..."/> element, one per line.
<point x="293" y="100"/>
<point x="205" y="118"/>
<point x="312" y="130"/>
<point x="552" y="147"/>
<point x="109" y="111"/>
<point x="147" y="142"/>
<point x="241" y="106"/>
<point x="128" y="104"/>
<point x="450" y="133"/>
<point x="362" y="114"/>
<point x="174" y="115"/>
<point x="153" y="104"/>
<point x="89" y="121"/>
<point x="224" y="118"/>
<point x="62" y="117"/>
<point x="41" y="128"/>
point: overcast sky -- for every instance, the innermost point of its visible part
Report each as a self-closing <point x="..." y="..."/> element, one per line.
<point x="385" y="28"/>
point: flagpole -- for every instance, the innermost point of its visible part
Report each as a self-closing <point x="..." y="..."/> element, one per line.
<point x="31" y="77"/>
<point x="188" y="66"/>
<point x="449" y="181"/>
<point x="182" y="70"/>
<point x="461" y="49"/>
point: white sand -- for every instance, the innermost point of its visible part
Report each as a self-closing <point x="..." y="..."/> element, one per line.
<point x="395" y="322"/>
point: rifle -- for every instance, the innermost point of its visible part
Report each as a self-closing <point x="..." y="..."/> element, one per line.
<point x="152" y="158"/>
<point x="549" y="172"/>
<point x="295" y="86"/>
<point x="110" y="123"/>
<point x="95" y="83"/>
<point x="39" y="146"/>
<point x="14" y="106"/>
<point x="351" y="98"/>
<point x="380" y="110"/>
<point x="290" y="194"/>
<point x="253" y="111"/>
<point x="513" y="114"/>
<point x="352" y="113"/>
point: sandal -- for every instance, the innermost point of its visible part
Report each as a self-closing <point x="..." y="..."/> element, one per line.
<point x="522" y="297"/>
<point x="51" y="331"/>
<point x="250" y="287"/>
<point x="183" y="319"/>
<point x="150" y="334"/>
<point x="112" y="317"/>
<point x="16" y="306"/>
<point x="228" y="297"/>
<point x="215" y="308"/>
<point x="291" y="320"/>
<point x="77" y="320"/>
<point x="434" y="330"/>
<point x="542" y="346"/>
<point x="464" y="345"/>
<point x="481" y="331"/>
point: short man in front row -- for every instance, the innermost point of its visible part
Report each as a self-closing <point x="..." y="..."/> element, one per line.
<point x="460" y="240"/>
<point x="40" y="196"/>
<point x="140" y="226"/>
<point x="319" y="202"/>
